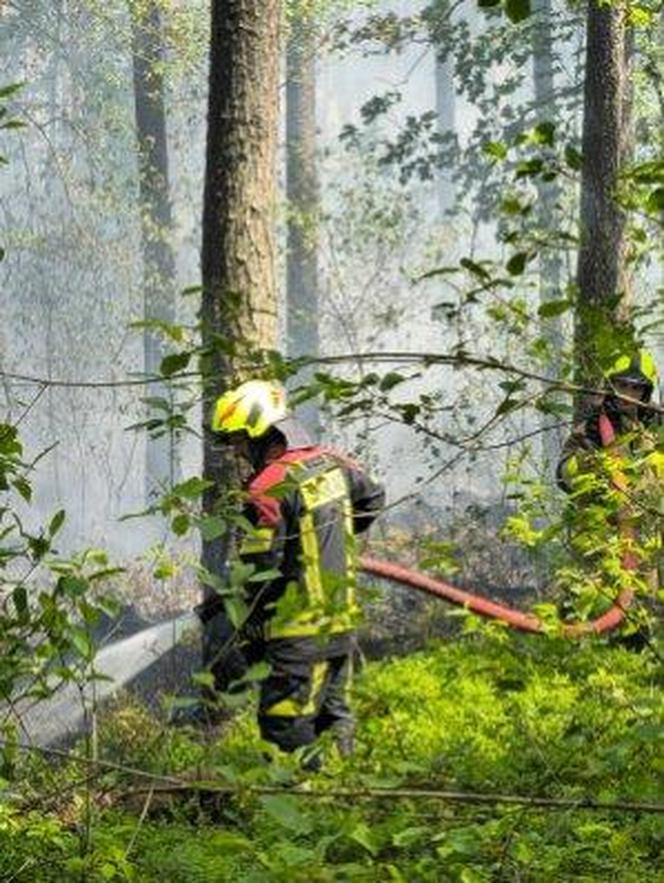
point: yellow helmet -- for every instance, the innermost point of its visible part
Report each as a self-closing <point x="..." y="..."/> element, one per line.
<point x="253" y="407"/>
<point x="639" y="368"/>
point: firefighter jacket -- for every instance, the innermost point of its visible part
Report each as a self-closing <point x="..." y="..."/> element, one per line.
<point x="637" y="447"/>
<point x="305" y="508"/>
<point x="633" y="463"/>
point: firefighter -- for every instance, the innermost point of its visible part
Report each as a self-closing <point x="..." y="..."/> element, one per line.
<point x="304" y="505"/>
<point x="612" y="466"/>
<point x="630" y="383"/>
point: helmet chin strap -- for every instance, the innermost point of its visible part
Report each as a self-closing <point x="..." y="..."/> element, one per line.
<point x="258" y="449"/>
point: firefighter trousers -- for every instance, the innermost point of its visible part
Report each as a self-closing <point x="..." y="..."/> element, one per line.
<point x="301" y="698"/>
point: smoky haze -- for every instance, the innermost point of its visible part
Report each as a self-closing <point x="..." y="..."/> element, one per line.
<point x="73" y="271"/>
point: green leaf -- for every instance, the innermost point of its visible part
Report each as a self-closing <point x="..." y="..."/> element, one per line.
<point x="38" y="546"/>
<point x="390" y="380"/>
<point x="158" y="403"/>
<point x="512" y="205"/>
<point x="264" y="576"/>
<point x="23" y="487"/>
<point x="212" y="527"/>
<point x="173" y="363"/>
<point x="236" y="610"/>
<point x="553" y="308"/>
<point x="508" y="404"/>
<point x="258" y="671"/>
<point x="73" y="586"/>
<point x="20" y="596"/>
<point x="192" y="487"/>
<point x="528" y="168"/>
<point x="164" y="570"/>
<point x="495" y="149"/>
<point x="437" y="271"/>
<point x="180" y="524"/>
<point x="544" y="133"/>
<point x="475" y="268"/>
<point x="228" y="841"/>
<point x="361" y="834"/>
<point x="6" y="91"/>
<point x="286" y="811"/>
<point x="82" y="642"/>
<point x="203" y="678"/>
<point x="56" y="522"/>
<point x="517" y="263"/>
<point x="517" y="10"/>
<point x="409" y="412"/>
<point x="556" y="409"/>
<point x="410" y="836"/>
<point x="168" y="329"/>
<point x="512" y="385"/>
<point x="573" y="158"/>
<point x="655" y="201"/>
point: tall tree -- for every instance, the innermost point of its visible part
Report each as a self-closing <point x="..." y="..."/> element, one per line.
<point x="238" y="308"/>
<point x="156" y="220"/>
<point x="445" y="101"/>
<point x="548" y="195"/>
<point x="302" y="192"/>
<point x="602" y="270"/>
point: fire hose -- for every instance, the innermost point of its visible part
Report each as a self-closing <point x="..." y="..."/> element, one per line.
<point x="518" y="619"/>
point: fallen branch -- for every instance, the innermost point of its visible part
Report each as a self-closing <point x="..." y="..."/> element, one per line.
<point x="164" y="784"/>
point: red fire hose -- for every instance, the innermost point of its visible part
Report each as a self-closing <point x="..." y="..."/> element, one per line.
<point x="525" y="622"/>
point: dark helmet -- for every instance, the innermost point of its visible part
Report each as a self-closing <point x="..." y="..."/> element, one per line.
<point x="638" y="369"/>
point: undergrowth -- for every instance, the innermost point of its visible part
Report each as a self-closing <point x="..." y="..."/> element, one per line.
<point x="492" y="713"/>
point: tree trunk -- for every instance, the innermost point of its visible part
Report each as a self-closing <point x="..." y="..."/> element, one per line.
<point x="444" y="80"/>
<point x="238" y="308"/>
<point x="303" y="202"/>
<point x="156" y="221"/>
<point x="548" y="195"/>
<point x="602" y="319"/>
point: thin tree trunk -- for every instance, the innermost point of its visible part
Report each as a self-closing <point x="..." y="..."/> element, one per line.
<point x="548" y="195"/>
<point x="303" y="202"/>
<point x="156" y="220"/>
<point x="51" y="179"/>
<point x="444" y="80"/>
<point x="238" y="308"/>
<point x="602" y="319"/>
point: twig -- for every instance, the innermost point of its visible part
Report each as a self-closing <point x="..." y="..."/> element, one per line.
<point x="141" y="819"/>
<point x="466" y="797"/>
<point x="26" y="864"/>
<point x="96" y="384"/>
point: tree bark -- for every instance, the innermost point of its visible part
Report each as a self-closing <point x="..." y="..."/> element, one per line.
<point x="156" y="221"/>
<point x="238" y="308"/>
<point x="548" y="194"/>
<point x="602" y="318"/>
<point x="302" y="192"/>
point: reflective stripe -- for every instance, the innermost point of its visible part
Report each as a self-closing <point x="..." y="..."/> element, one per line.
<point x="321" y="489"/>
<point x="292" y="707"/>
<point x="350" y="552"/>
<point x="348" y="683"/>
<point x="311" y="558"/>
<point x="260" y="540"/>
<point x="318" y="613"/>
<point x="343" y="622"/>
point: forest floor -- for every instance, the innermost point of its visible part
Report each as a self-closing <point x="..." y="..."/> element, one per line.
<point x="486" y="712"/>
